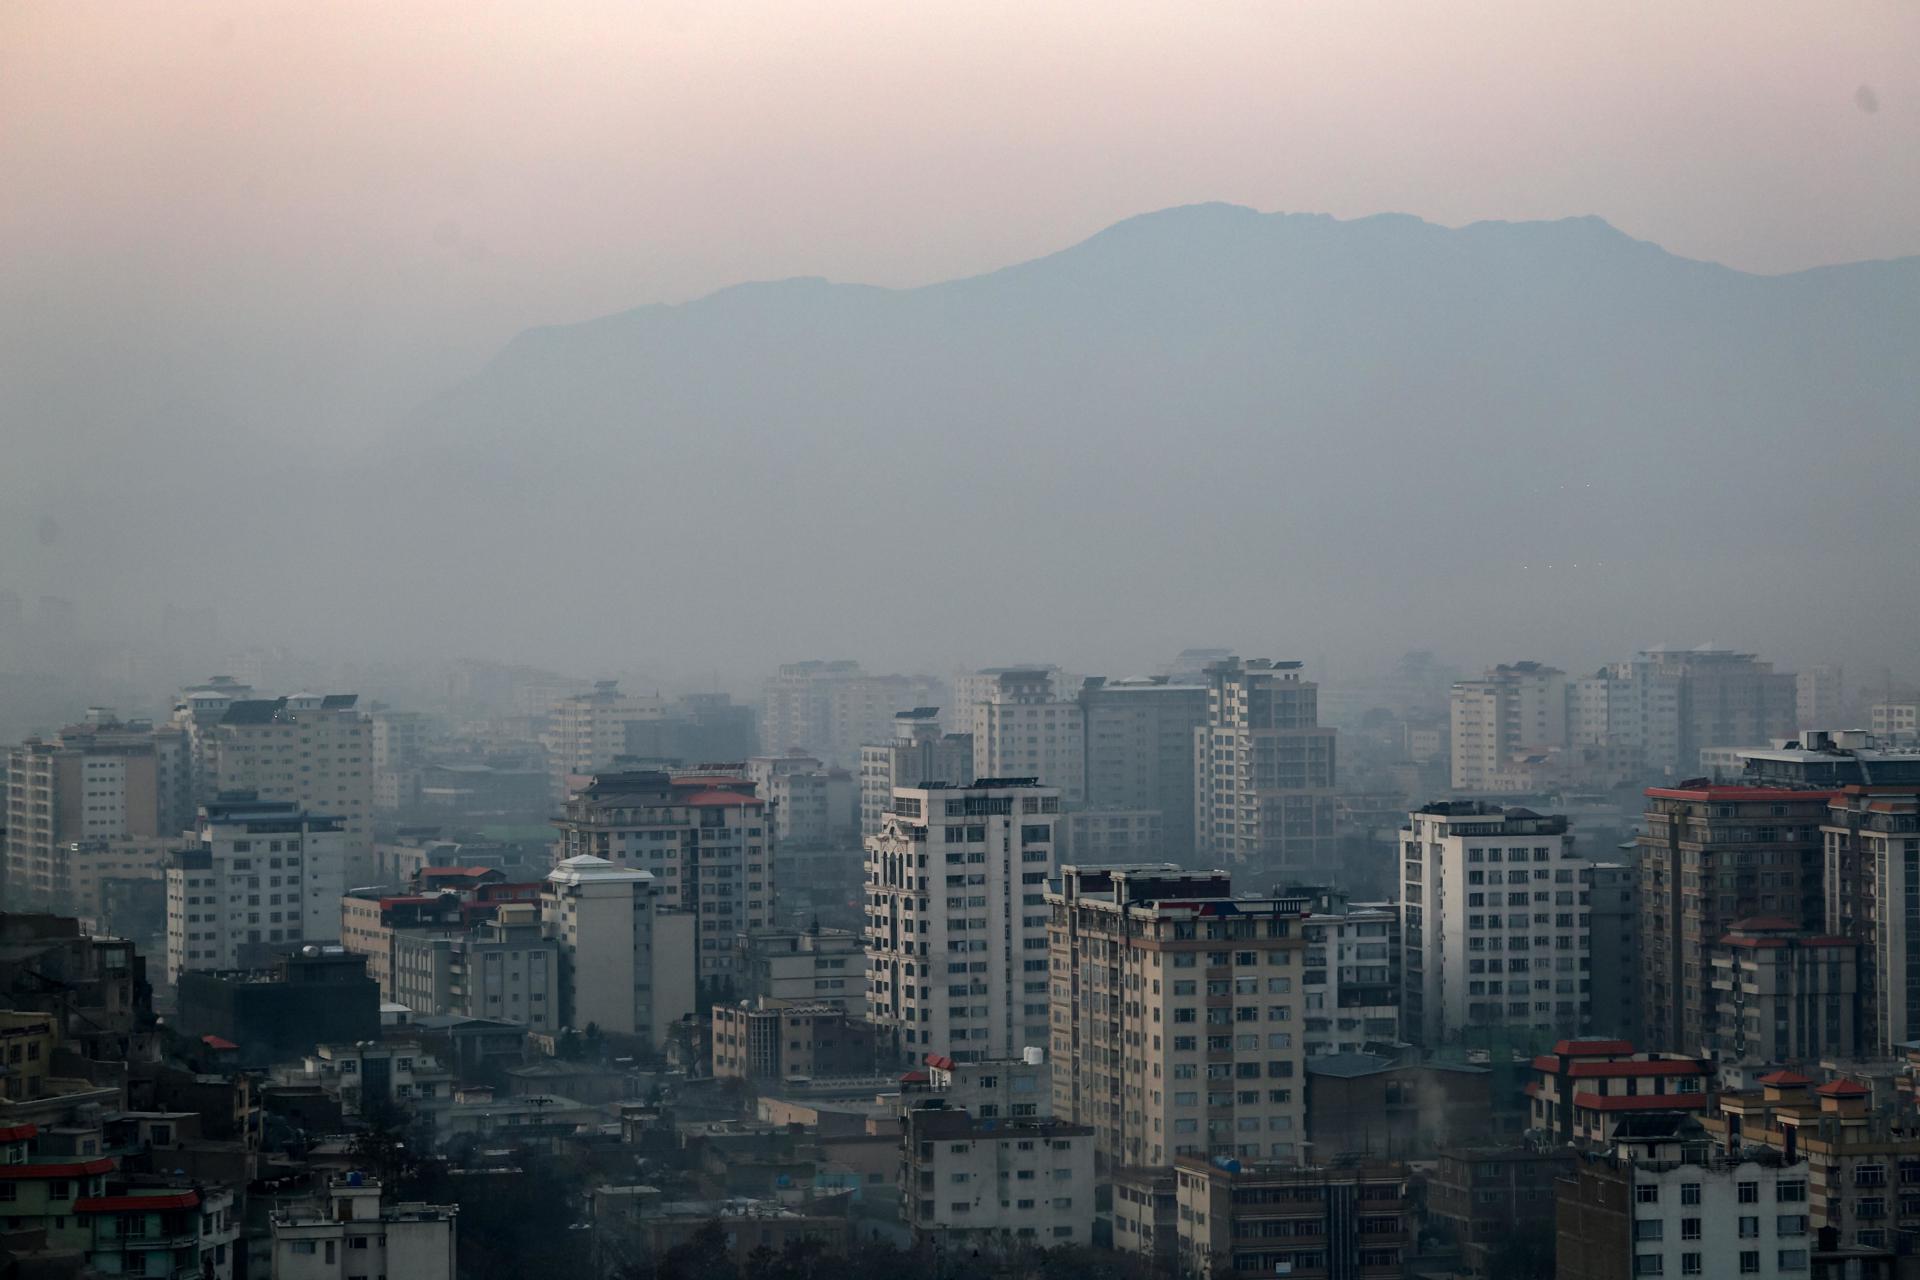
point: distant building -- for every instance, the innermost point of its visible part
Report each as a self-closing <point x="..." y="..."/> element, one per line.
<point x="1820" y="759"/>
<point x="1264" y="771"/>
<point x="1634" y="705"/>
<point x="626" y="955"/>
<point x="1819" y="696"/>
<point x="706" y="841"/>
<point x="1352" y="975"/>
<point x="971" y="1185"/>
<point x="1495" y="923"/>
<point x="1785" y="995"/>
<point x="586" y="731"/>
<point x="1117" y="835"/>
<point x="1486" y="1198"/>
<point x="505" y="968"/>
<point x="266" y="876"/>
<point x="1243" y="1220"/>
<point x="812" y="805"/>
<point x="1023" y="729"/>
<point x="279" y="1013"/>
<point x="992" y="1089"/>
<point x="1515" y="708"/>
<point x="1872" y="873"/>
<point x="313" y="751"/>
<point x="1613" y="940"/>
<point x="354" y="1234"/>
<point x="1726" y="698"/>
<point x="957" y="919"/>
<point x="1363" y="1105"/>
<point x="1893" y="722"/>
<point x="1761" y="846"/>
<point x="804" y="966"/>
<point x="916" y="754"/>
<point x="1177" y="1014"/>
<point x="831" y="709"/>
<point x="1139" y="738"/>
<point x="773" y="1042"/>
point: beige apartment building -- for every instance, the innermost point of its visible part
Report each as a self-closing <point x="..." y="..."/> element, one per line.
<point x="586" y="731"/>
<point x="623" y="951"/>
<point x="1514" y="708"/>
<point x="1177" y="1009"/>
<point x="312" y="750"/>
<point x="1264" y="770"/>
<point x="957" y="918"/>
<point x="917" y="753"/>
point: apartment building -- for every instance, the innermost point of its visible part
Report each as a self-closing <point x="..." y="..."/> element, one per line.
<point x="993" y="1089"/>
<point x="1177" y="1009"/>
<point x="804" y="966"/>
<point x="1241" y="1219"/>
<point x="624" y="949"/>
<point x="831" y="709"/>
<point x="706" y="841"/>
<point x="354" y="1234"/>
<point x="772" y="1041"/>
<point x="1022" y="729"/>
<point x="314" y="751"/>
<point x="1783" y="994"/>
<point x="1487" y="1197"/>
<point x="812" y="805"/>
<point x="972" y="1185"/>
<point x="1264" y="771"/>
<point x="1709" y="856"/>
<point x="1890" y="721"/>
<point x="1139" y="736"/>
<point x="956" y="926"/>
<point x="585" y="732"/>
<point x="1513" y="709"/>
<point x="1583" y="1089"/>
<point x="1871" y="855"/>
<point x="1613" y="943"/>
<point x="1352" y="974"/>
<point x="1633" y="705"/>
<point x="369" y="918"/>
<point x="1662" y="1202"/>
<point x="100" y="785"/>
<point x="1727" y="699"/>
<point x="506" y="969"/>
<point x="1819" y="695"/>
<point x="265" y="876"/>
<point x="917" y="753"/>
<point x="1495" y="923"/>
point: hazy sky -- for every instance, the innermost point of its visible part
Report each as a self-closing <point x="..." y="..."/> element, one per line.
<point x="362" y="199"/>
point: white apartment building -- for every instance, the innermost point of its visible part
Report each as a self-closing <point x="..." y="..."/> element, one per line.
<point x="266" y="876"/>
<point x="625" y="956"/>
<point x="1021" y="729"/>
<point x="917" y="753"/>
<point x="957" y="921"/>
<point x="1893" y="722"/>
<point x="1633" y="704"/>
<point x="971" y="1184"/>
<point x="1514" y="708"/>
<point x="831" y="709"/>
<point x="1139" y="744"/>
<point x="1176" y="1015"/>
<point x="1495" y="922"/>
<point x="993" y="1089"/>
<point x="354" y="1236"/>
<point x="706" y="841"/>
<point x="1351" y="976"/>
<point x="804" y="966"/>
<point x="1264" y="770"/>
<point x="312" y="750"/>
<point x="587" y="730"/>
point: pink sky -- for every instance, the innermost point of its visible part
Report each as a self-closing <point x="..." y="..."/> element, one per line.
<point x="430" y="176"/>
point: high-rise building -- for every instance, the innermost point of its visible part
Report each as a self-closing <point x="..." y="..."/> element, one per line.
<point x="1515" y="708"/>
<point x="706" y="842"/>
<point x="957" y="918"/>
<point x="1710" y="856"/>
<point x="1352" y="974"/>
<point x="812" y="805"/>
<point x="506" y="969"/>
<point x="100" y="785"/>
<point x="832" y="709"/>
<point x="1022" y="729"/>
<point x="314" y="751"/>
<point x="1614" y="945"/>
<point x="623" y="950"/>
<point x="1139" y="751"/>
<point x="1727" y="699"/>
<point x="1177" y="1011"/>
<point x="1264" y="771"/>
<point x="266" y="876"/>
<point x="1783" y="994"/>
<point x="971" y="1183"/>
<point x="1242" y="1220"/>
<point x="804" y="966"/>
<point x="1871" y="839"/>
<point x="917" y="753"/>
<point x="1495" y="925"/>
<point x="586" y="731"/>
<point x="1819" y="696"/>
<point x="1632" y="705"/>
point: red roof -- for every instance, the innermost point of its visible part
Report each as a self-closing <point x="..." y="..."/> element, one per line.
<point x="18" y="1132"/>
<point x="1843" y="1089"/>
<point x="717" y="799"/>
<point x="135" y="1204"/>
<point x="1592" y="1048"/>
<point x="1733" y="792"/>
<point x="1661" y="1067"/>
<point x="70" y="1169"/>
<point x="1642" y="1102"/>
<point x="459" y="871"/>
<point x="218" y="1042"/>
<point x="1786" y="1079"/>
<point x="939" y="1060"/>
<point x="914" y="1077"/>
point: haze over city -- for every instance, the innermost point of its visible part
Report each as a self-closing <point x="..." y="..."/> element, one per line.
<point x="760" y="640"/>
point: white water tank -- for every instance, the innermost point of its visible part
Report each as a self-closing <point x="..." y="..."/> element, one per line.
<point x="1034" y="1055"/>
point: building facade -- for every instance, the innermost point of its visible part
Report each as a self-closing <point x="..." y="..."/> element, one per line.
<point x="1177" y="1014"/>
<point x="972" y="1185"/>
<point x="956" y="909"/>
<point x="1515" y="708"/>
<point x="1242" y="1219"/>
<point x="1785" y="995"/>
<point x="1021" y="729"/>
<point x="1139" y="737"/>
<point x="1264" y="771"/>
<point x="1495" y="923"/>
<point x="917" y="753"/>
<point x="625" y="953"/>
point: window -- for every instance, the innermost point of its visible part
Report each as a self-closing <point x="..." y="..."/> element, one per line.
<point x="1649" y="1229"/>
<point x="1649" y="1264"/>
<point x="1689" y="1228"/>
<point x="1689" y="1193"/>
<point x="303" y="1246"/>
<point x="1790" y="1224"/>
<point x="1749" y="1262"/>
<point x="1792" y="1260"/>
<point x="1791" y="1193"/>
<point x="1749" y="1228"/>
<point x="1647" y="1193"/>
<point x="1749" y="1193"/>
<point x="1689" y="1264"/>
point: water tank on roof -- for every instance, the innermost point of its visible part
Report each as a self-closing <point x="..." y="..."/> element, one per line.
<point x="1034" y="1055"/>
<point x="1228" y="1163"/>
